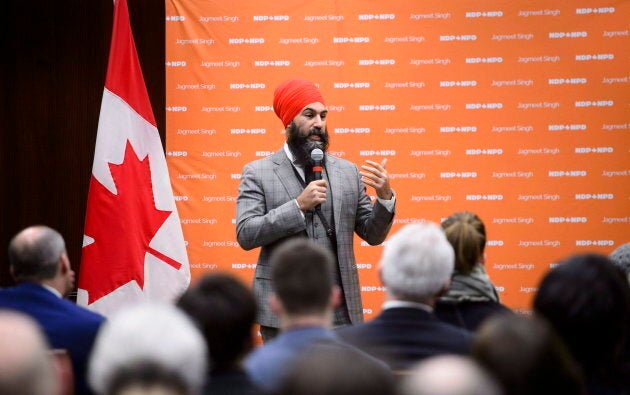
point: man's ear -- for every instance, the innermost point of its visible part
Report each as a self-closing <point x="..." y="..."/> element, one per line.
<point x="379" y="270"/>
<point x="64" y="263"/>
<point x="444" y="289"/>
<point x="335" y="297"/>
<point x="275" y="304"/>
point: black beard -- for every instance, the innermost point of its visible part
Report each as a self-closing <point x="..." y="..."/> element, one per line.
<point x="301" y="146"/>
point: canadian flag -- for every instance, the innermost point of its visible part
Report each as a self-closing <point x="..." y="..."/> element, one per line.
<point x="133" y="246"/>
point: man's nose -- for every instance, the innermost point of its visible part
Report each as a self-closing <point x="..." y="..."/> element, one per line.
<point x="318" y="121"/>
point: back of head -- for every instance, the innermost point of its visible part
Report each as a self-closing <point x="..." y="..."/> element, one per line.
<point x="449" y="375"/>
<point x="417" y="262"/>
<point x="34" y="253"/>
<point x="302" y="276"/>
<point x="526" y="356"/>
<point x="586" y="299"/>
<point x="467" y="234"/>
<point x="621" y="257"/>
<point x="225" y="311"/>
<point x="148" y="334"/>
<point x="25" y="366"/>
<point x="337" y="370"/>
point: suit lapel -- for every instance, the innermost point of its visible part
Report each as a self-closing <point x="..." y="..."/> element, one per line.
<point x="284" y="171"/>
<point x="336" y="183"/>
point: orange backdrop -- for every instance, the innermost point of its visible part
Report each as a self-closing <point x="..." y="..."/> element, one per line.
<point x="515" y="111"/>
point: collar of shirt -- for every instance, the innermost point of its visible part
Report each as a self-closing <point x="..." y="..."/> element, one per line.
<point x="53" y="290"/>
<point x="299" y="168"/>
<point x="391" y="304"/>
<point x="287" y="151"/>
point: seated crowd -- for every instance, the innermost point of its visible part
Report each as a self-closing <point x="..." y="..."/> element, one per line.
<point x="442" y="329"/>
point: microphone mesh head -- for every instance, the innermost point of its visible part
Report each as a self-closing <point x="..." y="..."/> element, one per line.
<point x="317" y="154"/>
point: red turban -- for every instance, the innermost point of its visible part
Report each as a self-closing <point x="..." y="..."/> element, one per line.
<point x="292" y="96"/>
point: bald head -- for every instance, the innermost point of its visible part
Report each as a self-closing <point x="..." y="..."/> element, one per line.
<point x="34" y="253"/>
<point x="449" y="375"/>
<point x="25" y="367"/>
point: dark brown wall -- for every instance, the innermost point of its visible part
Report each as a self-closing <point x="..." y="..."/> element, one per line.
<point x="52" y="73"/>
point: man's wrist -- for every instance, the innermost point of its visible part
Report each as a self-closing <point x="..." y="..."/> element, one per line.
<point x="300" y="208"/>
<point x="388" y="203"/>
<point x="391" y="196"/>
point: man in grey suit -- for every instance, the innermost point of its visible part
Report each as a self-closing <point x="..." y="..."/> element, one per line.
<point x="281" y="196"/>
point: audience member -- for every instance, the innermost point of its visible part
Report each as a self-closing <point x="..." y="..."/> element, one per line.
<point x="148" y="347"/>
<point x="586" y="299"/>
<point x="323" y="370"/>
<point x="25" y="367"/>
<point x="526" y="357"/>
<point x="449" y="375"/>
<point x="471" y="297"/>
<point x="304" y="298"/>
<point x="621" y="257"/>
<point x="415" y="268"/>
<point x="225" y="310"/>
<point x="40" y="265"/>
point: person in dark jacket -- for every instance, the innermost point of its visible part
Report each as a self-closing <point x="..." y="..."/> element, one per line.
<point x="415" y="268"/>
<point x="40" y="265"/>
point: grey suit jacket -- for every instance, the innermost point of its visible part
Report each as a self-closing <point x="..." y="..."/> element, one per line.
<point x="266" y="214"/>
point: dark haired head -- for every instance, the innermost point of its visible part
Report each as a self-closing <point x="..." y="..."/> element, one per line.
<point x="586" y="299"/>
<point x="225" y="311"/>
<point x="526" y="356"/>
<point x="336" y="370"/>
<point x="302" y="276"/>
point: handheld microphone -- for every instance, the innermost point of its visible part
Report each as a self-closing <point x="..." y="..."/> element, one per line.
<point x="317" y="156"/>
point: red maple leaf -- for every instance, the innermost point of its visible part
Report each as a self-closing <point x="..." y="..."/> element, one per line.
<point x="122" y="226"/>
